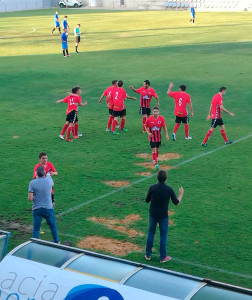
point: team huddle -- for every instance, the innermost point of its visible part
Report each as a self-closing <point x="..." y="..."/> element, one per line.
<point x="152" y="124"/>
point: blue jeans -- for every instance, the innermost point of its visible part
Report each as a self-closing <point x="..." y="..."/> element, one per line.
<point x="163" y="228"/>
<point x="49" y="216"/>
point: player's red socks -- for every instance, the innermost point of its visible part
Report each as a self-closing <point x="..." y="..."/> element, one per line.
<point x="64" y="128"/>
<point x="144" y="121"/>
<point x="122" y="123"/>
<point x="76" y="129"/>
<point x="157" y="153"/>
<point x="209" y="133"/>
<point x="176" y="127"/>
<point x="110" y="120"/>
<point x="223" y="133"/>
<point x="69" y="130"/>
<point x="154" y="157"/>
<point x="186" y="130"/>
<point x="114" y="125"/>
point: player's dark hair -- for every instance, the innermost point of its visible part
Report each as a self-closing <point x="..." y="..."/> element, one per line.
<point x="120" y="83"/>
<point x="155" y="107"/>
<point x="78" y="24"/>
<point x="114" y="82"/>
<point x="221" y="89"/>
<point x="41" y="171"/>
<point x="42" y="154"/>
<point x="183" y="87"/>
<point x="161" y="175"/>
<point x="75" y="89"/>
<point x="65" y="16"/>
<point x="147" y="82"/>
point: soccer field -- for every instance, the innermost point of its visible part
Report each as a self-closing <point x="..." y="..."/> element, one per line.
<point x="210" y="232"/>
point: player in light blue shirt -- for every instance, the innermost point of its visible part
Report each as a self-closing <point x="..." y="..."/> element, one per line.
<point x="56" y="22"/>
<point x="192" y="11"/>
<point x="64" y="43"/>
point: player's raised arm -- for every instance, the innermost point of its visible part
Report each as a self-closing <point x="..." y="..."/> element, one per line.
<point x="132" y="88"/>
<point x="170" y="87"/>
<point x="226" y="111"/>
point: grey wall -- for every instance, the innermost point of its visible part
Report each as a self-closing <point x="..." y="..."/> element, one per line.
<point x="13" y="5"/>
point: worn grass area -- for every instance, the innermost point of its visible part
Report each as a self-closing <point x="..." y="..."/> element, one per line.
<point x="212" y="225"/>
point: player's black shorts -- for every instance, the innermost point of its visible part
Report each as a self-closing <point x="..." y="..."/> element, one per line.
<point x="77" y="39"/>
<point x="145" y="111"/>
<point x="111" y="112"/>
<point x="184" y="120"/>
<point x="120" y="113"/>
<point x="72" y="117"/>
<point x="155" y="144"/>
<point x="217" y="122"/>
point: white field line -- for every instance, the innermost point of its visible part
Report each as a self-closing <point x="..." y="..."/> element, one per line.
<point x="147" y="177"/>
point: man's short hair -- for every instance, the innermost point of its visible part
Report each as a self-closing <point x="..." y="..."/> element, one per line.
<point x="65" y="16"/>
<point x="147" y="82"/>
<point x="155" y="107"/>
<point x="42" y="154"/>
<point x="41" y="171"/>
<point x="75" y="89"/>
<point x="114" y="82"/>
<point x="120" y="83"/>
<point x="183" y="87"/>
<point x="221" y="89"/>
<point x="161" y="175"/>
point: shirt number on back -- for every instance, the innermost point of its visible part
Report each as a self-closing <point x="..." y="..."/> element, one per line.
<point x="72" y="101"/>
<point x="180" y="102"/>
<point x="116" y="95"/>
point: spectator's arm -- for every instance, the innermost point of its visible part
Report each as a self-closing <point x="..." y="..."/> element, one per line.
<point x="30" y="196"/>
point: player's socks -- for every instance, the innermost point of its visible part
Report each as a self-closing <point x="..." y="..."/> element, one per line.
<point x="157" y="153"/>
<point x="186" y="130"/>
<point x="110" y="120"/>
<point x="59" y="31"/>
<point x="64" y="129"/>
<point x="114" y="125"/>
<point x="154" y="158"/>
<point x="209" y="133"/>
<point x="69" y="130"/>
<point x="144" y="121"/>
<point x="122" y="124"/>
<point x="76" y="49"/>
<point x="176" y="127"/>
<point x="53" y="30"/>
<point x="64" y="52"/>
<point x="76" y="129"/>
<point x="223" y="133"/>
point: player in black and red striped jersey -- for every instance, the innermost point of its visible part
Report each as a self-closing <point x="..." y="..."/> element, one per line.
<point x="146" y="93"/>
<point x="153" y="126"/>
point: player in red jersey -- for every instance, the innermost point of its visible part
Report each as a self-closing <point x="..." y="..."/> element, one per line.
<point x="154" y="124"/>
<point x="118" y="96"/>
<point x="73" y="101"/>
<point x="181" y="100"/>
<point x="146" y="93"/>
<point x="215" y="110"/>
<point x="49" y="168"/>
<point x="109" y="102"/>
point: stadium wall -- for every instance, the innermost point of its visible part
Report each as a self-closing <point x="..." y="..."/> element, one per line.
<point x="15" y="5"/>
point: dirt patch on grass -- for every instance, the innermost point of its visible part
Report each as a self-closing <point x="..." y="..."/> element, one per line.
<point x="171" y="213"/>
<point x="150" y="165"/>
<point x="15" y="225"/>
<point x="116" y="184"/>
<point x="120" y="225"/>
<point x="16" y="136"/>
<point x="171" y="223"/>
<point x="143" y="173"/>
<point x="109" y="245"/>
<point x="162" y="157"/>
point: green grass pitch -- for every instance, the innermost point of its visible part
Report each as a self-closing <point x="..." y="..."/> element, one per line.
<point x="211" y="235"/>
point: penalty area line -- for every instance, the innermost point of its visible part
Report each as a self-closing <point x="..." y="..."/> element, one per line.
<point x="148" y="177"/>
